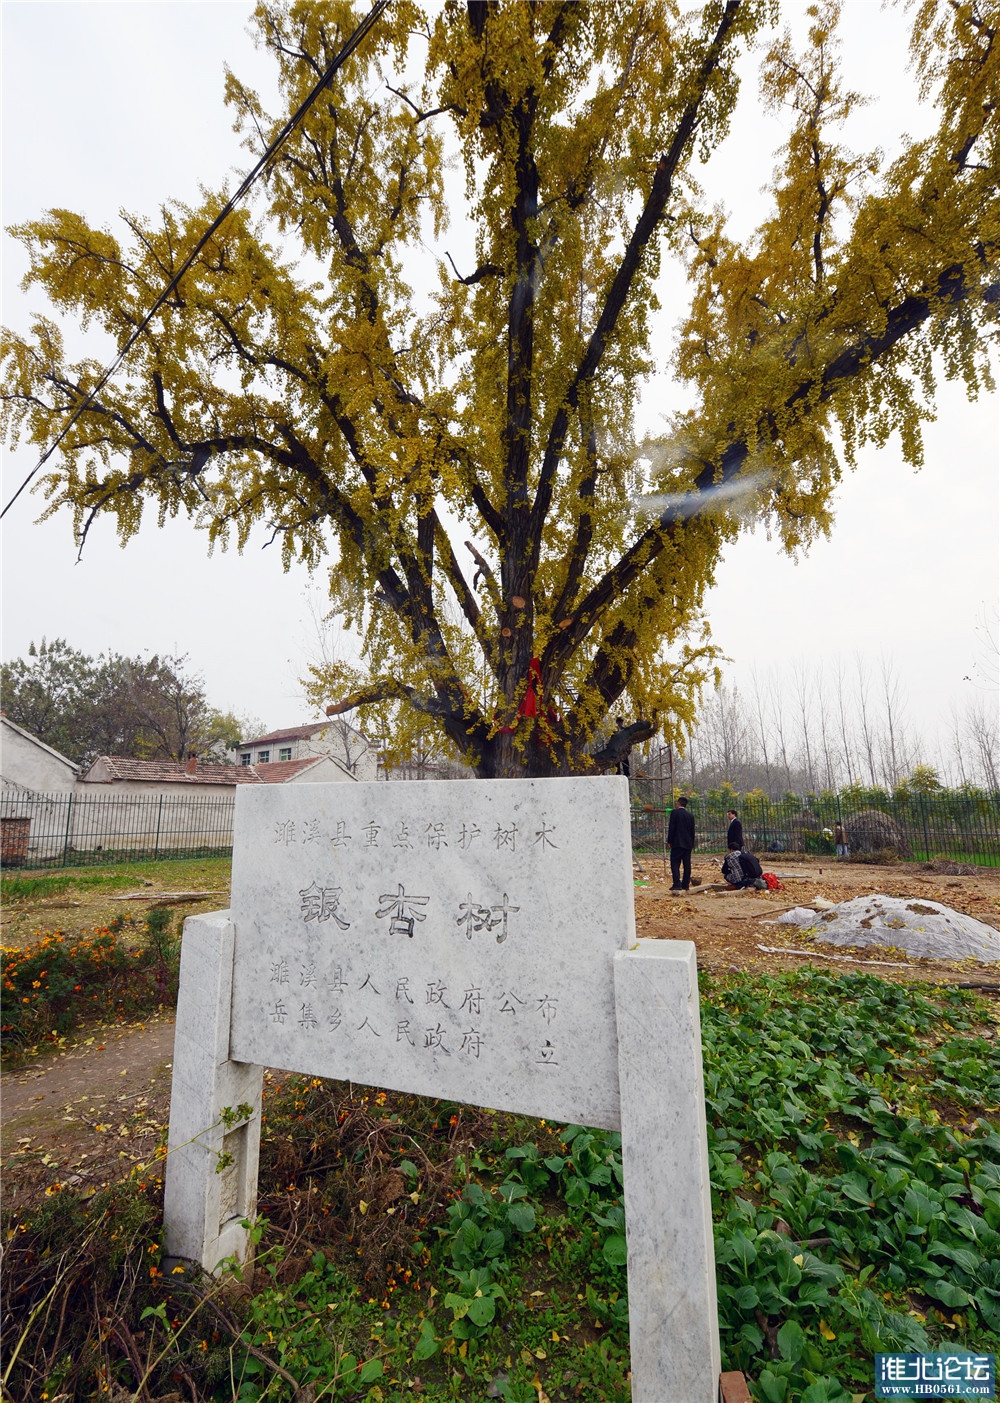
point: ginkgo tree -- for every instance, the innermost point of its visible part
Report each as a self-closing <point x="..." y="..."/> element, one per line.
<point x="465" y="458"/>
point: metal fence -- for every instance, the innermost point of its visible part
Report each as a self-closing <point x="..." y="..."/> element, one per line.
<point x="963" y="827"/>
<point x="70" y="830"/>
<point x="60" y="830"/>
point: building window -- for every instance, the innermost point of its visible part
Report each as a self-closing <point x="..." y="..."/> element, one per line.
<point x="263" y="757"/>
<point x="285" y="753"/>
<point x="245" y="759"/>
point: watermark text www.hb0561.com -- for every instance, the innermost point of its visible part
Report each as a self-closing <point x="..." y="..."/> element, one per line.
<point x="958" y="1373"/>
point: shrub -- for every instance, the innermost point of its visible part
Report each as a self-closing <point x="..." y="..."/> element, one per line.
<point x="63" y="980"/>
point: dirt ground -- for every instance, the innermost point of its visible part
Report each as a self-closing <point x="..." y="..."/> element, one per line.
<point x="728" y="928"/>
<point x="119" y="893"/>
<point x="87" y="1112"/>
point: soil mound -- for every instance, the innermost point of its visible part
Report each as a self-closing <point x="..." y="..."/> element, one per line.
<point x="924" y="929"/>
<point x="873" y="831"/>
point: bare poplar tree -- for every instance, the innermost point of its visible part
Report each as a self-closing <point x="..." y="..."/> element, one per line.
<point x="761" y="728"/>
<point x="868" y="739"/>
<point x="982" y="739"/>
<point x="845" y="734"/>
<point x="830" y="766"/>
<point x="778" y="717"/>
<point x="803" y="701"/>
<point x="892" y="767"/>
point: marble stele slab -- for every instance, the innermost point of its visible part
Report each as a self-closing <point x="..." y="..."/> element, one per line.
<point x="446" y="938"/>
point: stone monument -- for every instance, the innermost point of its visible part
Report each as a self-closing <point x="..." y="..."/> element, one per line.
<point x="473" y="941"/>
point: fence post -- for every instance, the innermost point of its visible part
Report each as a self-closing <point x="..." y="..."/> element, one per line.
<point x="69" y="810"/>
<point x="923" y="820"/>
<point x="159" y="815"/>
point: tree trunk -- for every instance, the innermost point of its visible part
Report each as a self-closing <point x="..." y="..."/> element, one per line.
<point x="502" y="759"/>
<point x="545" y="757"/>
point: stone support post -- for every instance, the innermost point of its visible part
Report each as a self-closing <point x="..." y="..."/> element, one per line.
<point x="673" y="1310"/>
<point x="203" y="1209"/>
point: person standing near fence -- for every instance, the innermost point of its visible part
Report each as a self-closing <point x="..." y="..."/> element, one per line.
<point x="734" y="837"/>
<point x="680" y="841"/>
<point x="840" y="839"/>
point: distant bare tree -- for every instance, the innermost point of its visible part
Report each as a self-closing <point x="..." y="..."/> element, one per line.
<point x="982" y="739"/>
<point x="797" y="729"/>
<point x="847" y="750"/>
<point x="778" y="716"/>
<point x="956" y="746"/>
<point x="831" y="767"/>
<point x="803" y="700"/>
<point x="985" y="673"/>
<point x="761" y="728"/>
<point x="349" y="745"/>
<point x="868" y="738"/>
<point x="894" y="764"/>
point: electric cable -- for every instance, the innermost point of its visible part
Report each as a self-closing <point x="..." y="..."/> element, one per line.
<point x="337" y="62"/>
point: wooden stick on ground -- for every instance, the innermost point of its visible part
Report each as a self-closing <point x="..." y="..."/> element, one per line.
<point x="168" y="898"/>
<point x="756" y="915"/>
<point x="845" y="959"/>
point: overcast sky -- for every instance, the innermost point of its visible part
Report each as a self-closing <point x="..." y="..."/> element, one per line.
<point x="119" y="105"/>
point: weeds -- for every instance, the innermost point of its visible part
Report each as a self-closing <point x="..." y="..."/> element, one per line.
<point x="62" y="982"/>
<point x="420" y="1250"/>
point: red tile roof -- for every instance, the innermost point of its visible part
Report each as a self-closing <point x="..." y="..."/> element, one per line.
<point x="281" y="771"/>
<point x="124" y="767"/>
<point x="171" y="771"/>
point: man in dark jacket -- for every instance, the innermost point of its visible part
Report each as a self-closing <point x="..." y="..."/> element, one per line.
<point x="734" y="838"/>
<point x="742" y="869"/>
<point x="680" y="841"/>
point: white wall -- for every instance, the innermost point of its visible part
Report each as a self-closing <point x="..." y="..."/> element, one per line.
<point x="326" y="772"/>
<point x="345" y="744"/>
<point x="132" y="816"/>
<point x="141" y="820"/>
<point x="31" y="765"/>
<point x="337" y="738"/>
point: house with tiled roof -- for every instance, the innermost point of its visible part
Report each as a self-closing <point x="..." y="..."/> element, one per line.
<point x="335" y="738"/>
<point x="123" y="805"/>
<point x="125" y="775"/>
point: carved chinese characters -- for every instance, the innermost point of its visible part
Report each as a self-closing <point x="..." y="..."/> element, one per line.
<point x="448" y="940"/>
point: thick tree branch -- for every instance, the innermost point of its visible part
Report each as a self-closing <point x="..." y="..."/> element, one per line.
<point x="622" y="742"/>
<point x="387" y="689"/>
<point x="467" y="600"/>
<point x="951" y="289"/>
<point x="584" y="530"/>
<point x="486" y="570"/>
<point x="621" y="285"/>
<point x="420" y="115"/>
<point x="487" y="270"/>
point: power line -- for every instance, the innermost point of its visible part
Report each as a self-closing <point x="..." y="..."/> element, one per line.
<point x="337" y="62"/>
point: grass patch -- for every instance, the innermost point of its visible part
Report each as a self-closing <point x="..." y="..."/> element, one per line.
<point x="976" y="859"/>
<point x="34" y="886"/>
<point x="413" y="1249"/>
<point x="20" y="887"/>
